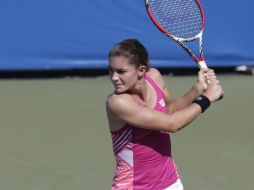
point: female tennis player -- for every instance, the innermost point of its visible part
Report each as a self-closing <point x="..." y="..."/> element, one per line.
<point x="142" y="114"/>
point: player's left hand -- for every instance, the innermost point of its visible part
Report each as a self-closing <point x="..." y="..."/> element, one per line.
<point x="205" y="77"/>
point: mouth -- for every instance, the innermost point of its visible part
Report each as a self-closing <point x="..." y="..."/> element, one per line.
<point x="119" y="88"/>
<point x="116" y="85"/>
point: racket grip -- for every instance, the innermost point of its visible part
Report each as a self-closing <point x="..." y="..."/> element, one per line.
<point x="202" y="65"/>
<point x="221" y="97"/>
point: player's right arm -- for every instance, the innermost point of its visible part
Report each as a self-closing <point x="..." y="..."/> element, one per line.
<point x="125" y="109"/>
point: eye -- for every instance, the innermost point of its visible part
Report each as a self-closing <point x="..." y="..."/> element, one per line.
<point x="121" y="71"/>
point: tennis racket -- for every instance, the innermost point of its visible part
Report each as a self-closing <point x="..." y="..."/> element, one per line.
<point x="182" y="21"/>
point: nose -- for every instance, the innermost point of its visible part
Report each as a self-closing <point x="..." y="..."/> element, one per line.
<point x="114" y="76"/>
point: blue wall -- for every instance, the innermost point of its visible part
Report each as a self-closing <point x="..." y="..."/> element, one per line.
<point x="59" y="34"/>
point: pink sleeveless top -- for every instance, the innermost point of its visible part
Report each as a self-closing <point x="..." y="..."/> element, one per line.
<point x="143" y="157"/>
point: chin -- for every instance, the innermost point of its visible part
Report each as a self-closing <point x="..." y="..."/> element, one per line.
<point x="120" y="90"/>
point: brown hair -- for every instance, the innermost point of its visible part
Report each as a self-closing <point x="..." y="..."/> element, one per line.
<point x="132" y="49"/>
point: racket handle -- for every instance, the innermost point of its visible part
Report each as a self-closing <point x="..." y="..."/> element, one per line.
<point x="221" y="97"/>
<point x="202" y="65"/>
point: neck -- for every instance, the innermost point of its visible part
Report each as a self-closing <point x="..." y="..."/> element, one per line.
<point x="140" y="89"/>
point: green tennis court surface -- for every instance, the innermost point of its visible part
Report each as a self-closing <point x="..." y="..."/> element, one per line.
<point x="54" y="136"/>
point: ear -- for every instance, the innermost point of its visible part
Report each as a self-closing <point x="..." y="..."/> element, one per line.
<point x="141" y="71"/>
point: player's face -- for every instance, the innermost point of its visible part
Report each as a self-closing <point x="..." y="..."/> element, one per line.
<point x="123" y="74"/>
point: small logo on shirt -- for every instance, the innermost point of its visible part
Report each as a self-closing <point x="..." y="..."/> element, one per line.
<point x="162" y="103"/>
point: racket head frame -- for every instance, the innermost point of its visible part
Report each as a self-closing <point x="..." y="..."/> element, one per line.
<point x="201" y="61"/>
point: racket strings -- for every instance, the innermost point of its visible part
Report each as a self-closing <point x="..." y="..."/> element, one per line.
<point x="181" y="18"/>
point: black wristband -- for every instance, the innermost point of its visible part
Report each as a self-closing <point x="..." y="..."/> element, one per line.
<point x="203" y="102"/>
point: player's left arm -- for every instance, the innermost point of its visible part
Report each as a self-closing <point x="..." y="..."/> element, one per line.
<point x="183" y="101"/>
<point x="205" y="76"/>
<point x="180" y="102"/>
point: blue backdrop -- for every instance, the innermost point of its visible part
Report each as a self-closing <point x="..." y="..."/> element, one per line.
<point x="60" y="34"/>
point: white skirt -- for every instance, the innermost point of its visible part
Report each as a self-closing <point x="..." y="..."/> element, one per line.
<point x="176" y="186"/>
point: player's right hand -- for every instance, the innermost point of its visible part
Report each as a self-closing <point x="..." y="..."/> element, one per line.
<point x="214" y="91"/>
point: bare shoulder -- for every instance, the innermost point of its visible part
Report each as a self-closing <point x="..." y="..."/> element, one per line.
<point x="120" y="108"/>
<point x="118" y="102"/>
<point x="156" y="76"/>
<point x="114" y="104"/>
<point x="118" y="98"/>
